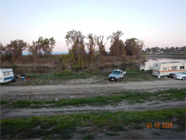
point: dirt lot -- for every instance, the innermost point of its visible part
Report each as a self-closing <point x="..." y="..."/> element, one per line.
<point x="51" y="92"/>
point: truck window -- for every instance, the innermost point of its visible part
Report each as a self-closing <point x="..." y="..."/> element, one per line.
<point x="182" y="67"/>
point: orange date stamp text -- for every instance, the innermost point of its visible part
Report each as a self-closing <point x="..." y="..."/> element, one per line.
<point x="159" y="125"/>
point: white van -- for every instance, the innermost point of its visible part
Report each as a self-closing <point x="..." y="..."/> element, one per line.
<point x="165" y="68"/>
<point x="6" y="75"/>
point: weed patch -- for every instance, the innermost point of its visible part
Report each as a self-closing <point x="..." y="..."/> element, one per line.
<point x="130" y="97"/>
<point x="63" y="127"/>
<point x="111" y="134"/>
<point x="137" y="75"/>
<point x="3" y="102"/>
<point x="89" y="137"/>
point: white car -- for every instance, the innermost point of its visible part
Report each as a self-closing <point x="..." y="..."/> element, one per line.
<point x="116" y="75"/>
<point x="180" y="76"/>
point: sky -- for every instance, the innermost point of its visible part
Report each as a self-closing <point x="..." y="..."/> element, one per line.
<point x="159" y="23"/>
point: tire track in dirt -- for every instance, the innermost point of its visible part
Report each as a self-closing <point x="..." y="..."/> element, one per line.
<point x="123" y="106"/>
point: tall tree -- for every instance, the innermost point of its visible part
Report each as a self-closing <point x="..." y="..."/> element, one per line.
<point x="91" y="47"/>
<point x="15" y="48"/>
<point x="76" y="40"/>
<point x="117" y="45"/>
<point x="42" y="47"/>
<point x="101" y="44"/>
<point x="133" y="47"/>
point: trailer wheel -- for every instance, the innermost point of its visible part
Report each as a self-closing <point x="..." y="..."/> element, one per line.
<point x="183" y="78"/>
<point x="14" y="80"/>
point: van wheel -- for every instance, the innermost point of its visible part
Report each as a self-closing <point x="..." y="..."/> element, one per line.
<point x="183" y="78"/>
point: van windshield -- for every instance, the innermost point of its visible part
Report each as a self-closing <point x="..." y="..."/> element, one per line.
<point x="116" y="72"/>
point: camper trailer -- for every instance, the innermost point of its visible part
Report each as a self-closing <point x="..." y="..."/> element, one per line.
<point x="165" y="68"/>
<point x="6" y="75"/>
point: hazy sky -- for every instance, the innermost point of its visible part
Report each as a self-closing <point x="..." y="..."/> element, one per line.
<point x="157" y="22"/>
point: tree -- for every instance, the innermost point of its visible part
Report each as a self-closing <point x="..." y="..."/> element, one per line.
<point x="34" y="49"/>
<point x="117" y="45"/>
<point x="166" y="49"/>
<point x="183" y="49"/>
<point x="101" y="45"/>
<point x="2" y="49"/>
<point x="172" y="49"/>
<point x="14" y="49"/>
<point x="148" y="50"/>
<point x="91" y="47"/>
<point x="42" y="47"/>
<point x="177" y="49"/>
<point x="155" y="49"/>
<point x="133" y="47"/>
<point x="76" y="40"/>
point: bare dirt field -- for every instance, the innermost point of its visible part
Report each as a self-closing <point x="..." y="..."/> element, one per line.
<point x="51" y="92"/>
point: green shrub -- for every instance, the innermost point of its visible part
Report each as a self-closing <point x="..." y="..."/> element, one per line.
<point x="65" y="73"/>
<point x="89" y="137"/>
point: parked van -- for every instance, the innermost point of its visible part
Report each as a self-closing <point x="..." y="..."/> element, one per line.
<point x="165" y="68"/>
<point x="6" y="75"/>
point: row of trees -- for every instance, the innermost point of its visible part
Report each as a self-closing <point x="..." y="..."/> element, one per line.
<point x="37" y="49"/>
<point x="77" y="56"/>
<point x="166" y="50"/>
<point x="78" y="44"/>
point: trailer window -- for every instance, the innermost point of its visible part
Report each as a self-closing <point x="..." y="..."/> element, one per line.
<point x="174" y="67"/>
<point x="182" y="67"/>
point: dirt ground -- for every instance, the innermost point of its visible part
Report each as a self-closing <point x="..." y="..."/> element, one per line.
<point x="123" y="106"/>
<point x="51" y="92"/>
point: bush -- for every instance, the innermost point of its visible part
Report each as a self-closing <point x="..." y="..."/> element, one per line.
<point x="81" y="73"/>
<point x="65" y="73"/>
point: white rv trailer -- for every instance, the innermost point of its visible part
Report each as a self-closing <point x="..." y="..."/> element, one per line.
<point x="165" y="68"/>
<point x="6" y="75"/>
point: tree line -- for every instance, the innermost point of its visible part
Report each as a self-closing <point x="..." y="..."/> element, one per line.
<point x="78" y="57"/>
<point x="37" y="49"/>
<point x="165" y="50"/>
<point x="82" y="49"/>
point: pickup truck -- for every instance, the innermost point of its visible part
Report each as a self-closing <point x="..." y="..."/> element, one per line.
<point x="180" y="76"/>
<point x="116" y="75"/>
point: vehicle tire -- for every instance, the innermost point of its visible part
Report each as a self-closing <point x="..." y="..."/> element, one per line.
<point x="119" y="79"/>
<point x="184" y="78"/>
